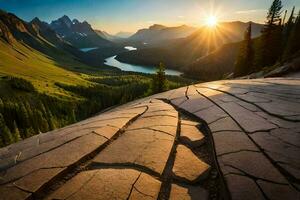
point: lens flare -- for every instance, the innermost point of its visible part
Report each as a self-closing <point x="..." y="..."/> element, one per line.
<point x="212" y="21"/>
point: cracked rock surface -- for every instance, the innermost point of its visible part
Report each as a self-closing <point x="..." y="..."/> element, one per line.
<point x="233" y="139"/>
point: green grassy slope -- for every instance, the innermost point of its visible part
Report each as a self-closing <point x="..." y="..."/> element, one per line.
<point x="43" y="71"/>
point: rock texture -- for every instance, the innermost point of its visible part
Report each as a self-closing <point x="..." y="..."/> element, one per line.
<point x="236" y="139"/>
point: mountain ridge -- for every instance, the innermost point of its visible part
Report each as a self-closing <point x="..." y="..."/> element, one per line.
<point x="157" y="32"/>
<point x="79" y="34"/>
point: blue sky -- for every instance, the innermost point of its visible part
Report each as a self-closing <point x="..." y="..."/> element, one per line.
<point x="129" y="15"/>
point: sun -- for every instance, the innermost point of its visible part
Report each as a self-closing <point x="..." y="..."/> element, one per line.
<point x="212" y="21"/>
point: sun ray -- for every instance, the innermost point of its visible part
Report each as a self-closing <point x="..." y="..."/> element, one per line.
<point x="212" y="21"/>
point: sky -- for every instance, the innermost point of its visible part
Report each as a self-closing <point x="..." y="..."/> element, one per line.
<point x="130" y="15"/>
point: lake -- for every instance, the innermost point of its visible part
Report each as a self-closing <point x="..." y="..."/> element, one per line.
<point x="112" y="61"/>
<point x="88" y="49"/>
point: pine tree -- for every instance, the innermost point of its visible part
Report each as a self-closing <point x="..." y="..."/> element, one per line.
<point x="1" y="104"/>
<point x="274" y="13"/>
<point x="29" y="132"/>
<point x="290" y="21"/>
<point x="50" y="120"/>
<point x="159" y="82"/>
<point x="23" y="115"/>
<point x="283" y="21"/>
<point x="1" y="142"/>
<point x="16" y="133"/>
<point x="5" y="132"/>
<point x="43" y="124"/>
<point x="244" y="63"/>
<point x="288" y="29"/>
<point x="271" y="40"/>
<point x="293" y="44"/>
<point x="73" y="116"/>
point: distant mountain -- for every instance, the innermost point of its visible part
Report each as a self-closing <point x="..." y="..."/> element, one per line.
<point x="122" y="34"/>
<point x="36" y="34"/>
<point x="79" y="34"/>
<point x="179" y="53"/>
<point x="106" y="35"/>
<point x="156" y="33"/>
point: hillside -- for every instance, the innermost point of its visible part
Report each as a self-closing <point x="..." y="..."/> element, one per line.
<point x="215" y="65"/>
<point x="179" y="53"/>
<point x="27" y="51"/>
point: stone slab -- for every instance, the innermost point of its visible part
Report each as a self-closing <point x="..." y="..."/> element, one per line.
<point x="277" y="191"/>
<point x="254" y="164"/>
<point x="191" y="136"/>
<point x="35" y="180"/>
<point x="242" y="187"/>
<point x="188" y="193"/>
<point x="188" y="166"/>
<point x="224" y="124"/>
<point x="63" y="156"/>
<point x="154" y="121"/>
<point x="106" y="184"/>
<point x="246" y="118"/>
<point x="229" y="142"/>
<point x="144" y="147"/>
<point x="196" y="103"/>
<point x="10" y="192"/>
<point x="211" y="114"/>
<point x="146" y="187"/>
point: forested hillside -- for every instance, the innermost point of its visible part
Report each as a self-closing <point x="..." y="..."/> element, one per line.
<point x="278" y="44"/>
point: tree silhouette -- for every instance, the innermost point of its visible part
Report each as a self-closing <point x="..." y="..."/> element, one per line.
<point x="293" y="44"/>
<point x="244" y="62"/>
<point x="271" y="39"/>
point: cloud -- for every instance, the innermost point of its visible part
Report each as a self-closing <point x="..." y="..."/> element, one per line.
<point x="150" y="22"/>
<point x="250" y="11"/>
<point x="181" y="16"/>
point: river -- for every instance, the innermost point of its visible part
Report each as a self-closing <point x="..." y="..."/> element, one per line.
<point x="112" y="61"/>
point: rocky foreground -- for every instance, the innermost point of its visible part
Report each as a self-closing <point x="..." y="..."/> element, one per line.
<point x="234" y="139"/>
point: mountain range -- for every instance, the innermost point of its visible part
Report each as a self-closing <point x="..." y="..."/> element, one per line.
<point x="79" y="34"/>
<point x="157" y="33"/>
<point x="185" y="48"/>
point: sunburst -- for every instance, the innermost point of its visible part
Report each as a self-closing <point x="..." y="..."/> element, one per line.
<point x="211" y="21"/>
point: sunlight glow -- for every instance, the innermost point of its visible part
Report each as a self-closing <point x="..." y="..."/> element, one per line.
<point x="212" y="21"/>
